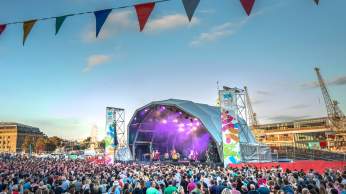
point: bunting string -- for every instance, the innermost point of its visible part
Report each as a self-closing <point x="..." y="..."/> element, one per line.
<point x="143" y="12"/>
<point x="81" y="13"/>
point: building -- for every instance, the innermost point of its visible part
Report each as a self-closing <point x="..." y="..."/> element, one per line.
<point x="12" y="136"/>
<point x="314" y="133"/>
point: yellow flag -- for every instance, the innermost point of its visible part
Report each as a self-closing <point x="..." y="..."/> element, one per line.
<point x="27" y="26"/>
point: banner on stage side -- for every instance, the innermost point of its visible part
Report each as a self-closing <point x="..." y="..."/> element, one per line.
<point x="230" y="127"/>
<point x="110" y="139"/>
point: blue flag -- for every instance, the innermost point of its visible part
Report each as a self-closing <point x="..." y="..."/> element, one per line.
<point x="101" y="17"/>
<point x="190" y="7"/>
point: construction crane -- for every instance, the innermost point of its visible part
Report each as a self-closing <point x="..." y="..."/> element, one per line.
<point x="252" y="115"/>
<point x="335" y="114"/>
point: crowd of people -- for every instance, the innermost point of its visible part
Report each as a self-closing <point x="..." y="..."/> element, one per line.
<point x="24" y="175"/>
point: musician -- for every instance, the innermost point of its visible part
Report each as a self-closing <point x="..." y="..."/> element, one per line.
<point x="174" y="155"/>
<point x="157" y="155"/>
<point x="166" y="156"/>
<point x="193" y="155"/>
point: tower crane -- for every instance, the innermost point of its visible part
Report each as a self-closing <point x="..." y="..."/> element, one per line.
<point x="335" y="114"/>
<point x="252" y="115"/>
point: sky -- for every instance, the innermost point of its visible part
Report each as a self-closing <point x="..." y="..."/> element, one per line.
<point x="63" y="84"/>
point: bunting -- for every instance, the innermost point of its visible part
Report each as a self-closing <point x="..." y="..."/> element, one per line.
<point x="247" y="5"/>
<point x="27" y="26"/>
<point x="101" y="17"/>
<point x="190" y="7"/>
<point x="2" y="28"/>
<point x="58" y="23"/>
<point x="143" y="12"/>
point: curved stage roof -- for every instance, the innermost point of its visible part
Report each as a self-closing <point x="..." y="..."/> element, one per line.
<point x="208" y="115"/>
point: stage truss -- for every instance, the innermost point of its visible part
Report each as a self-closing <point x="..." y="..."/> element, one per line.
<point x="121" y="150"/>
<point x="256" y="152"/>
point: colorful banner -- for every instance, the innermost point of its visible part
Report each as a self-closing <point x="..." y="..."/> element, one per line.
<point x="101" y="17"/>
<point x="58" y="23"/>
<point x="230" y="128"/>
<point x="110" y="139"/>
<point x="143" y="12"/>
<point x="247" y="5"/>
<point x="27" y="26"/>
<point x="190" y="7"/>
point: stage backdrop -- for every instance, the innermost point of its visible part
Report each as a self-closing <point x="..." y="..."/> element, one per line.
<point x="230" y="127"/>
<point x="110" y="139"/>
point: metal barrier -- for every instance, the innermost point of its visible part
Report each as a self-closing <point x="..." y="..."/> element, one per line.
<point x="293" y="153"/>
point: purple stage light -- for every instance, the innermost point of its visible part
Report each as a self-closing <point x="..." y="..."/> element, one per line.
<point x="190" y="124"/>
<point x="175" y="121"/>
<point x="164" y="121"/>
<point x="181" y="125"/>
<point x="181" y="129"/>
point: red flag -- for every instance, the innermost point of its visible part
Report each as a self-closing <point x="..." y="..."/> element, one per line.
<point x="143" y="12"/>
<point x="247" y="5"/>
<point x="2" y="28"/>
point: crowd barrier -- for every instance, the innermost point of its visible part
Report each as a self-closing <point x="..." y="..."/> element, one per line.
<point x="317" y="165"/>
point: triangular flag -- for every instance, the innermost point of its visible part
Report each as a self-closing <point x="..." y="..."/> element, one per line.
<point x="58" y="22"/>
<point x="27" y="26"/>
<point x="190" y="7"/>
<point x="101" y="17"/>
<point x="317" y="2"/>
<point x="143" y="12"/>
<point x="2" y="28"/>
<point x="247" y="5"/>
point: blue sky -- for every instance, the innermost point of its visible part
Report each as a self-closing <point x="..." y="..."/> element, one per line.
<point x="63" y="83"/>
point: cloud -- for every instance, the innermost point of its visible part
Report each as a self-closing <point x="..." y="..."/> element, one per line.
<point x="96" y="60"/>
<point x="115" y="23"/>
<point x="170" y="22"/>
<point x="338" y="81"/>
<point x="282" y="118"/>
<point x="258" y="101"/>
<point x="299" y="106"/>
<point x="218" y="32"/>
<point x="122" y="21"/>
<point x="262" y="92"/>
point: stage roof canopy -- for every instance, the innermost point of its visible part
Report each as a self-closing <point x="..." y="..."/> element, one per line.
<point x="210" y="116"/>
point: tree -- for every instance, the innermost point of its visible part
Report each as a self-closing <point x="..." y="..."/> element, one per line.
<point x="50" y="145"/>
<point x="40" y="145"/>
<point x="55" y="140"/>
<point x="102" y="144"/>
<point x="26" y="144"/>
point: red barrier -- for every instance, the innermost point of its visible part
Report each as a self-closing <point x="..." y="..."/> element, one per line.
<point x="317" y="165"/>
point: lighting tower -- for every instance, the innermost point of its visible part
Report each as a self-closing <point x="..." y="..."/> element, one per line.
<point x="252" y="115"/>
<point x="335" y="114"/>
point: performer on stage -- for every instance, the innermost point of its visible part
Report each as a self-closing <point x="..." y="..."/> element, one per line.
<point x="193" y="156"/>
<point x="155" y="155"/>
<point x="174" y="155"/>
<point x="166" y="156"/>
